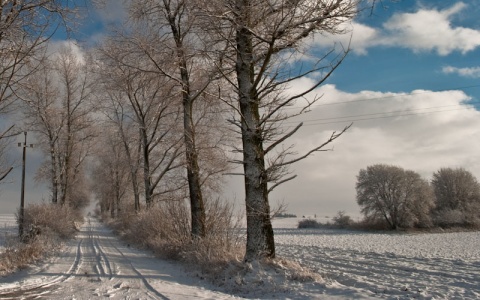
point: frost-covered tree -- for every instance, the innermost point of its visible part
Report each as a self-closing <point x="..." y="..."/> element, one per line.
<point x="116" y="110"/>
<point x="57" y="107"/>
<point x="257" y="41"/>
<point x="401" y="198"/>
<point x="111" y="165"/>
<point x="169" y="38"/>
<point x="457" y="193"/>
<point x="25" y="27"/>
<point x="149" y="101"/>
<point x="5" y="168"/>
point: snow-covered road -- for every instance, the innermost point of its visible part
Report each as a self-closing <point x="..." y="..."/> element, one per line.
<point x="97" y="265"/>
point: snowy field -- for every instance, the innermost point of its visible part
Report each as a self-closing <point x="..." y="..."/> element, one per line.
<point x="386" y="265"/>
<point x="354" y="265"/>
<point x="8" y="227"/>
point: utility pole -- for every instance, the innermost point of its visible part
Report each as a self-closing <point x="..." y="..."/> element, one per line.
<point x="22" y="196"/>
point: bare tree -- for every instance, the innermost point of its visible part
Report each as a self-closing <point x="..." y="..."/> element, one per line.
<point x="43" y="114"/>
<point x="110" y="166"/>
<point x="175" y="23"/>
<point x="257" y="38"/>
<point x="399" y="197"/>
<point x="5" y="169"/>
<point x="168" y="34"/>
<point x="25" y="27"/>
<point x="115" y="108"/>
<point x="58" y="107"/>
<point x="156" y="113"/>
<point x="457" y="194"/>
<point x="77" y="86"/>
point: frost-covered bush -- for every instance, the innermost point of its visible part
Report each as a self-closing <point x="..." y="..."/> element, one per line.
<point x="59" y="219"/>
<point x="166" y="229"/>
<point x="342" y="220"/>
<point x="45" y="225"/>
<point x="309" y="223"/>
<point x="447" y="218"/>
<point x="18" y="255"/>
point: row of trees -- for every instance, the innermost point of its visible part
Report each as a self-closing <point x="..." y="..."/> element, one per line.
<point x="149" y="103"/>
<point x="183" y="67"/>
<point x="403" y="199"/>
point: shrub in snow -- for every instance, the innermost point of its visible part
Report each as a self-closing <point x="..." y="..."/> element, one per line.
<point x="342" y="220"/>
<point x="18" y="255"/>
<point x="44" y="227"/>
<point x="59" y="219"/>
<point x="166" y="229"/>
<point x="448" y="218"/>
<point x="309" y="223"/>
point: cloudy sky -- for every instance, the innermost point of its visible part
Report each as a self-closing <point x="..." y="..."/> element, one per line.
<point x="410" y="85"/>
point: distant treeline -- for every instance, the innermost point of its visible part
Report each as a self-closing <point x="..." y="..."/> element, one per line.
<point x="285" y="215"/>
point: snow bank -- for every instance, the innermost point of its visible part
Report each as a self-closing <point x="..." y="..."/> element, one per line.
<point x="8" y="227"/>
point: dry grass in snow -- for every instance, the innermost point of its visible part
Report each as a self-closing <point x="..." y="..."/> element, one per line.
<point x="45" y="227"/>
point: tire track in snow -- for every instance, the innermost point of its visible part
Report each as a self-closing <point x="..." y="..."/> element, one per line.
<point x="148" y="286"/>
<point x="90" y="254"/>
<point x="102" y="259"/>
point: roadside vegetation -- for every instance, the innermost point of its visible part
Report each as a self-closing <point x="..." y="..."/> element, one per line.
<point x="165" y="229"/>
<point x="47" y="226"/>
<point x="218" y="257"/>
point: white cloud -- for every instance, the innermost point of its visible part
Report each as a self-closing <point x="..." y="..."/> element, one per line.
<point x="431" y="30"/>
<point x="421" y="31"/>
<point x="56" y="46"/>
<point x="358" y="37"/>
<point x="473" y="72"/>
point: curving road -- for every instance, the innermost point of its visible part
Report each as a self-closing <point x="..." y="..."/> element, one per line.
<point x="97" y="265"/>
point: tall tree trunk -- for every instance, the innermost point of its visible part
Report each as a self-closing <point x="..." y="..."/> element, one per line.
<point x="136" y="193"/>
<point x="260" y="240"/>
<point x="197" y="205"/>
<point x="68" y="147"/>
<point x="53" y="166"/>
<point x="135" y="184"/>
<point x="146" y="168"/>
<point x="118" y="195"/>
<point x="133" y="169"/>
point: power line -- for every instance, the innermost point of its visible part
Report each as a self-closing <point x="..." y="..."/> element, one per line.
<point x="385" y="117"/>
<point x="461" y="88"/>
<point x="391" y="112"/>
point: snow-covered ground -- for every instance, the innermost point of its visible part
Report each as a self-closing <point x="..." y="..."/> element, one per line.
<point x="354" y="265"/>
<point x="386" y="265"/>
<point x="8" y="227"/>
